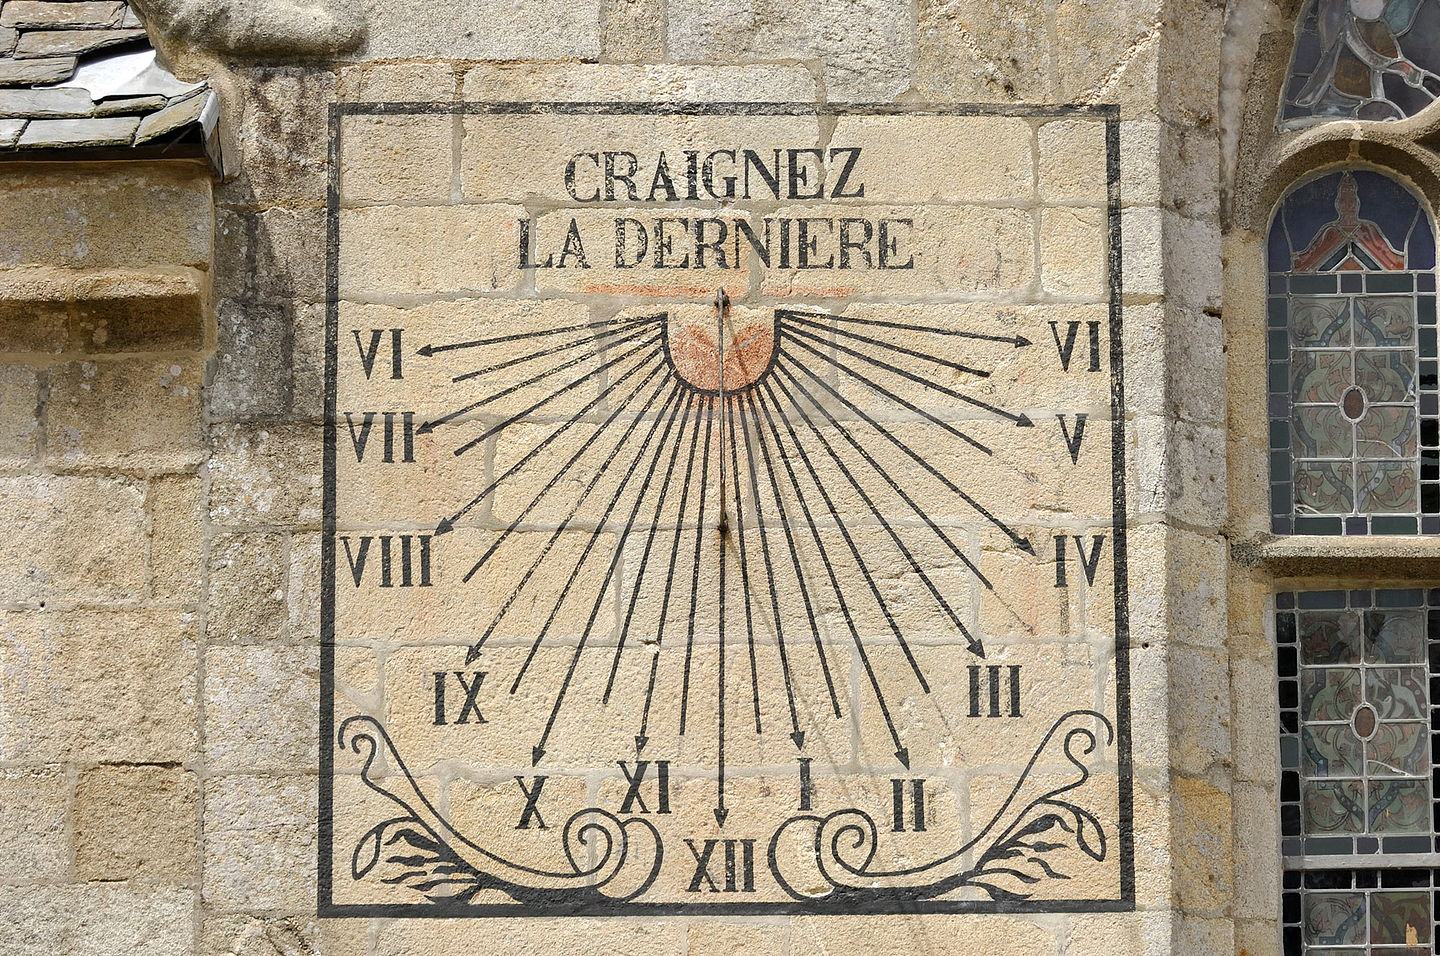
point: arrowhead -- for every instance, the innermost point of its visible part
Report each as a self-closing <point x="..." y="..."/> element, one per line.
<point x="976" y="647"/>
<point x="425" y="428"/>
<point x="640" y="741"/>
<point x="444" y="527"/>
<point x="1026" y="546"/>
<point x="426" y="351"/>
<point x="720" y="814"/>
<point x="1023" y="422"/>
<point x="535" y="754"/>
<point x="799" y="738"/>
<point x="1021" y="341"/>
<point x="471" y="655"/>
<point x="903" y="755"/>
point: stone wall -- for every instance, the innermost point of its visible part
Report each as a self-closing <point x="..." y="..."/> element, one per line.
<point x="163" y="412"/>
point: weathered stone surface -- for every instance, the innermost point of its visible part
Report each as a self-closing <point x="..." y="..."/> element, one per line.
<point x="136" y="823"/>
<point x="89" y="218"/>
<point x="177" y="509"/>
<point x="261" y="707"/>
<point x="278" y="813"/>
<point x="406" y="158"/>
<point x="486" y="30"/>
<point x="59" y="669"/>
<point x="983" y="53"/>
<point x="634" y="30"/>
<point x="35" y="824"/>
<point x="20" y="428"/>
<point x="126" y="413"/>
<point x="865" y="47"/>
<point x="264" y="475"/>
<point x="247" y="588"/>
<point x="97" y="920"/>
<point x="282" y="136"/>
<point x="259" y="29"/>
<point x="49" y="558"/>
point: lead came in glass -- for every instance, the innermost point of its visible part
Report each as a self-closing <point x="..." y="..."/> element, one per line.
<point x="1353" y="402"/>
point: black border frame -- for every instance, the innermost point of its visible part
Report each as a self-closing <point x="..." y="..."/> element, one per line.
<point x="326" y="907"/>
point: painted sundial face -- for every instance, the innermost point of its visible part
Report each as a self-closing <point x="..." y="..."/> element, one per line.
<point x="725" y="520"/>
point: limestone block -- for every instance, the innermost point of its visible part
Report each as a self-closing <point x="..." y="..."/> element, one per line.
<point x="234" y="262"/>
<point x="864" y="47"/>
<point x="20" y="428"/>
<point x="522" y="937"/>
<point x="97" y="685"/>
<point x="245" y="812"/>
<point x="48" y="309"/>
<point x="97" y="919"/>
<point x="983" y="53"/>
<point x="303" y="593"/>
<point x="1072" y="252"/>
<point x="428" y="250"/>
<point x="265" y="475"/>
<point x="47" y="555"/>
<point x="1142" y="260"/>
<point x="1140" y="174"/>
<point x="420" y="81"/>
<point x="265" y="30"/>
<point x="716" y="938"/>
<point x="485" y="30"/>
<point x="288" y="263"/>
<point x="1107" y="53"/>
<point x="136" y="823"/>
<point x="404" y="158"/>
<point x="1204" y="867"/>
<point x="283" y="936"/>
<point x="283" y="136"/>
<point x="633" y="30"/>
<point x="34" y="824"/>
<point x="261" y="707"/>
<point x="663" y="82"/>
<point x="253" y="373"/>
<point x="177" y="507"/>
<point x="995" y="934"/>
<point x="248" y="576"/>
<point x="92" y="217"/>
<point x="1073" y="162"/>
<point x="126" y="413"/>
<point x="1257" y="865"/>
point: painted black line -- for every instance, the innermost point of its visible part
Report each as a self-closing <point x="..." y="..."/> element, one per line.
<point x="1019" y="341"/>
<point x="630" y="328"/>
<point x="1019" y="541"/>
<point x="448" y="523"/>
<point x="451" y="416"/>
<point x="975" y="646"/>
<point x="796" y="734"/>
<point x="800" y="318"/>
<point x="720" y="812"/>
<point x="785" y="525"/>
<point x="599" y="530"/>
<point x="649" y="547"/>
<point x="514" y="595"/>
<point x="602" y="592"/>
<point x="565" y="468"/>
<point x="496" y="429"/>
<point x="429" y="350"/>
<point x="1022" y="420"/>
<point x="642" y="737"/>
<point x="849" y="541"/>
<point x="901" y="753"/>
<point x="887" y="478"/>
<point x="695" y="568"/>
<point x="730" y="404"/>
<point x="875" y="386"/>
<point x="741" y="108"/>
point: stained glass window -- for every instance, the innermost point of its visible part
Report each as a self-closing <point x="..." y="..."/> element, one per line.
<point x="1351" y="349"/>
<point x="1363" y="59"/>
<point x="1357" y="787"/>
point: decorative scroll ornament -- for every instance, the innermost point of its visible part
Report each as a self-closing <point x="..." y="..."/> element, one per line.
<point x="423" y="852"/>
<point x="1009" y="855"/>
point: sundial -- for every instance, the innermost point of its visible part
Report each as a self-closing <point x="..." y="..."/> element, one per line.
<point x="726" y="514"/>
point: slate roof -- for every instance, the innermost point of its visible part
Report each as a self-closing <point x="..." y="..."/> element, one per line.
<point x="81" y="74"/>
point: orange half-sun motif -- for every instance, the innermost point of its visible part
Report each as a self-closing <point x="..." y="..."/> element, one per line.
<point x="695" y="354"/>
